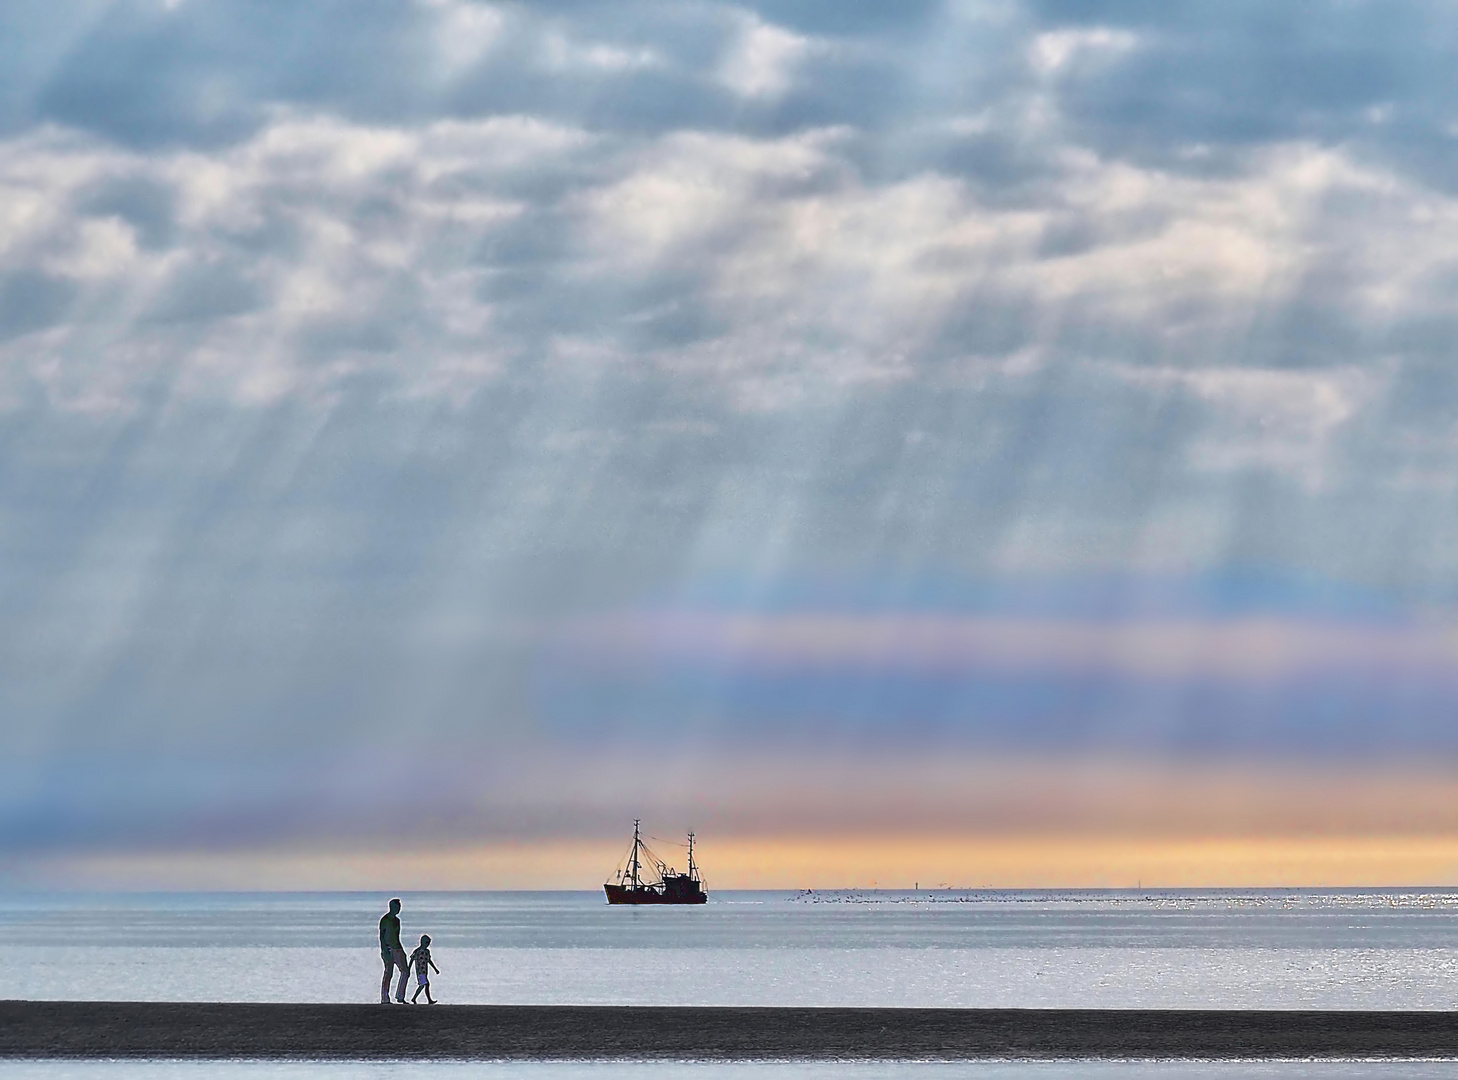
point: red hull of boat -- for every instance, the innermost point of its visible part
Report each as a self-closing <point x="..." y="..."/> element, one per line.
<point x="617" y="894"/>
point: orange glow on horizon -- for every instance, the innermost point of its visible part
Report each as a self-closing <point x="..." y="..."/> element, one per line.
<point x="844" y="862"/>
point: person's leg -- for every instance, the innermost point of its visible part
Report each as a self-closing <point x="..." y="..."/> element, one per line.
<point x="389" y="959"/>
<point x="429" y="1000"/>
<point x="404" y="963"/>
<point x="414" y="998"/>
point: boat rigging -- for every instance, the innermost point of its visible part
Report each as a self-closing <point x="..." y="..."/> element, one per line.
<point x="647" y="879"/>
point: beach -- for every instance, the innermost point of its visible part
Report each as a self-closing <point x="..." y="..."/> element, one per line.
<point x="175" y="1030"/>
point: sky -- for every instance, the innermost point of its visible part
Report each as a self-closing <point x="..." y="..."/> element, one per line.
<point x="1015" y="432"/>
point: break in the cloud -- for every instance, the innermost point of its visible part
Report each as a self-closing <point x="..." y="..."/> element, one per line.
<point x="354" y="360"/>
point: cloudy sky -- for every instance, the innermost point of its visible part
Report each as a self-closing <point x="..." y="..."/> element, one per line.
<point x="460" y="428"/>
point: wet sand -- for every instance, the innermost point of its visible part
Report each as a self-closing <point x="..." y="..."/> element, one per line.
<point x="76" y="1029"/>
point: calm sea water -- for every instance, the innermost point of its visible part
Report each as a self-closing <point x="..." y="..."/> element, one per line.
<point x="1345" y="949"/>
<point x="1074" y="949"/>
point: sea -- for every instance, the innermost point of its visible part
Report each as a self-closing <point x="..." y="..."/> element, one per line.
<point x="1325" y="949"/>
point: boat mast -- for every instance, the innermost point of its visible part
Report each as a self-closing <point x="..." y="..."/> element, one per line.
<point x="634" y="862"/>
<point x="693" y="871"/>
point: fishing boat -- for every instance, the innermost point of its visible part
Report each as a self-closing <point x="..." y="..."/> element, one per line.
<point x="644" y="878"/>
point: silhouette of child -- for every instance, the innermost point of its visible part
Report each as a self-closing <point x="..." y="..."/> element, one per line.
<point x="420" y="958"/>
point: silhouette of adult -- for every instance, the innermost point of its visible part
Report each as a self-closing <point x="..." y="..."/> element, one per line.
<point x="393" y="954"/>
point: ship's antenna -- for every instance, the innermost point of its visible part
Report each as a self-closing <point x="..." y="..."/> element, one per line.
<point x="636" y="843"/>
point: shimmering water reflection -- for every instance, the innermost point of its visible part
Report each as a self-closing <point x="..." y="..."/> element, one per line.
<point x="1368" y="949"/>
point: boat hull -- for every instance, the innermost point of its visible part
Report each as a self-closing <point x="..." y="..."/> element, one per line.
<point x="620" y="894"/>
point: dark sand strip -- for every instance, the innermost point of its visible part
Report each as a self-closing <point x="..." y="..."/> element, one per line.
<point x="78" y="1029"/>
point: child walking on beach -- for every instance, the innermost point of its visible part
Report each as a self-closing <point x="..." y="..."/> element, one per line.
<point x="423" y="963"/>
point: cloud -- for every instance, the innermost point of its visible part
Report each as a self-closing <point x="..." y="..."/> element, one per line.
<point x="1142" y="684"/>
<point x="1253" y="650"/>
<point x="274" y="248"/>
<point x="762" y="62"/>
<point x="463" y="33"/>
<point x="1052" y="51"/>
<point x="349" y="358"/>
<point x="772" y="266"/>
<point x="1279" y="420"/>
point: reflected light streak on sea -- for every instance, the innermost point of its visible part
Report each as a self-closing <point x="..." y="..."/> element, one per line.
<point x="1354" y="949"/>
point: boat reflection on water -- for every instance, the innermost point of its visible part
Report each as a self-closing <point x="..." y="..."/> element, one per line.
<point x="647" y="879"/>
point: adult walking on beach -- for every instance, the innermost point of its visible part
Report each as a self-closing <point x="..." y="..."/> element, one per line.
<point x="393" y="954"/>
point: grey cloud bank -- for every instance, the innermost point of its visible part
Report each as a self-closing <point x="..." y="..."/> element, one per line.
<point x="351" y="355"/>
